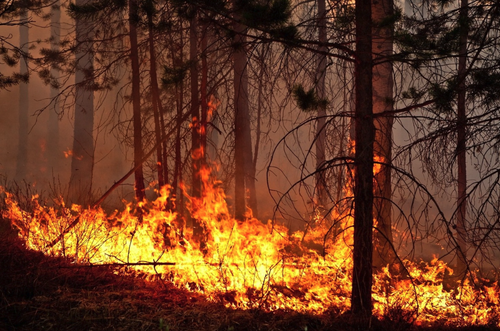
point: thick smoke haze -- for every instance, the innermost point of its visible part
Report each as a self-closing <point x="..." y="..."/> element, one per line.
<point x="114" y="155"/>
<point x="112" y="160"/>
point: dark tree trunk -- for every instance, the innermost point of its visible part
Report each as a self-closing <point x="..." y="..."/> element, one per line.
<point x="204" y="97"/>
<point x="461" y="266"/>
<point x="195" y="129"/>
<point x="250" y="172"/>
<point x="258" y="130"/>
<point x="242" y="137"/>
<point x="156" y="102"/>
<point x="82" y="162"/>
<point x="177" y="177"/>
<point x="195" y="106"/>
<point x="361" y="304"/>
<point x="22" y="151"/>
<point x="179" y="101"/>
<point x="54" y="149"/>
<point x="382" y="47"/>
<point x="321" y="194"/>
<point x="136" y="100"/>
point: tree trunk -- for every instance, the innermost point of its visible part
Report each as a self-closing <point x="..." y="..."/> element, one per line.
<point x="155" y="101"/>
<point x="242" y="137"/>
<point x="195" y="106"/>
<point x="258" y="131"/>
<point x="82" y="162"/>
<point x="361" y="304"/>
<point x="250" y="172"/>
<point x="382" y="47"/>
<point x="204" y="97"/>
<point x="461" y="266"/>
<point x="136" y="100"/>
<point x="196" y="157"/>
<point x="54" y="149"/>
<point x="179" y="101"/>
<point x="321" y="194"/>
<point x="22" y="151"/>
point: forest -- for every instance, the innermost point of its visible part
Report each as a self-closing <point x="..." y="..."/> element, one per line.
<point x="256" y="164"/>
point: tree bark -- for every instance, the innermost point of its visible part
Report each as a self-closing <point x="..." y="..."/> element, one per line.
<point x="82" y="162"/>
<point x="361" y="304"/>
<point x="461" y="264"/>
<point x="258" y="130"/>
<point x="22" y="150"/>
<point x="382" y="47"/>
<point x="155" y="101"/>
<point x="195" y="107"/>
<point x="321" y="194"/>
<point x="204" y="96"/>
<point x="196" y="156"/>
<point x="136" y="99"/>
<point x="242" y="136"/>
<point x="54" y="150"/>
<point x="179" y="101"/>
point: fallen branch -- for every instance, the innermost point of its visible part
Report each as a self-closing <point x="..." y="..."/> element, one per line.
<point x="120" y="264"/>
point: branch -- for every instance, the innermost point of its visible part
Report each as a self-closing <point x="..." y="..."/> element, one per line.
<point x="119" y="182"/>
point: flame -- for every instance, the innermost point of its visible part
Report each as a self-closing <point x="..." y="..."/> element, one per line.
<point x="249" y="264"/>
<point x="69" y="153"/>
<point x="377" y="164"/>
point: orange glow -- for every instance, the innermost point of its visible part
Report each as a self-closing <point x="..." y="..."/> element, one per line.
<point x="249" y="264"/>
<point x="377" y="166"/>
<point x="69" y="153"/>
<point x="213" y="103"/>
<point x="43" y="145"/>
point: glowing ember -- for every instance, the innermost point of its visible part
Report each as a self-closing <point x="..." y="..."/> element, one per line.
<point x="250" y="264"/>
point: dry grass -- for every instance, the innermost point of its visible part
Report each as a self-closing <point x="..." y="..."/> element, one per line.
<point x="46" y="293"/>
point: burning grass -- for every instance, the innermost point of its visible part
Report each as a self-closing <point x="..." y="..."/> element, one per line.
<point x="245" y="269"/>
<point x="41" y="292"/>
<point x="48" y="293"/>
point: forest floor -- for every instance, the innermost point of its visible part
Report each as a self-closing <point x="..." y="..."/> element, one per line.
<point x="46" y="293"/>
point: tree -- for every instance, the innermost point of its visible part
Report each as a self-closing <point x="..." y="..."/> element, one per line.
<point x="133" y="20"/>
<point x="460" y="120"/>
<point x="363" y="163"/>
<point x="321" y="121"/>
<point x="22" y="154"/>
<point x="382" y="46"/>
<point x="55" y="152"/>
<point x="82" y="160"/>
<point x="242" y="139"/>
<point x="177" y="80"/>
<point x="461" y="266"/>
<point x="197" y="153"/>
<point x="155" y="95"/>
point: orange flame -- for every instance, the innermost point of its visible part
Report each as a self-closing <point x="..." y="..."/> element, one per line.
<point x="249" y="264"/>
<point x="69" y="153"/>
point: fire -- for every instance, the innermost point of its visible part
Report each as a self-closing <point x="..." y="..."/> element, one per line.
<point x="249" y="264"/>
<point x="69" y="153"/>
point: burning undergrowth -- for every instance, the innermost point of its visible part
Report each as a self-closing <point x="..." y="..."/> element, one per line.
<point x="249" y="265"/>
